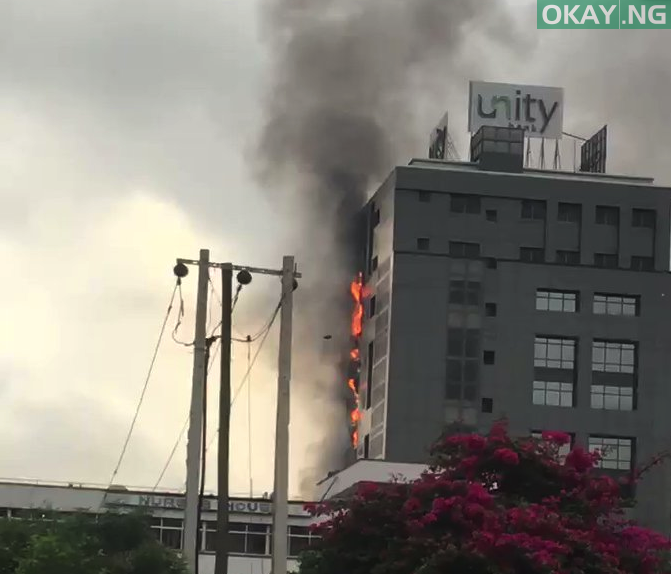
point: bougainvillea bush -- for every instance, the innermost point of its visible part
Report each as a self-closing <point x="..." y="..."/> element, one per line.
<point x="490" y="505"/>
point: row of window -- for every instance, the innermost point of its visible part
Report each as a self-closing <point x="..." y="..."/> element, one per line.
<point x="602" y="397"/>
<point x="537" y="210"/>
<point x="617" y="453"/>
<point x="244" y="538"/>
<point x="602" y="304"/>
<point x="607" y="356"/>
<point x="460" y="249"/>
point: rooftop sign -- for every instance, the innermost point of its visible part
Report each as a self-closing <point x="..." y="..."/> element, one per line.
<point x="539" y="110"/>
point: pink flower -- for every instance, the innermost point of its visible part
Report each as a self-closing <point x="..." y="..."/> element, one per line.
<point x="507" y="456"/>
<point x="559" y="438"/>
<point x="430" y="518"/>
<point x="478" y="493"/>
<point x="581" y="460"/>
<point x="412" y="505"/>
<point x="476" y="442"/>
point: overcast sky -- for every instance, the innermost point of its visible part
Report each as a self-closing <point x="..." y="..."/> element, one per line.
<point x="127" y="135"/>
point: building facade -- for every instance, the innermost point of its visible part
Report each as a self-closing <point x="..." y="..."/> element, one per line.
<point x="250" y="519"/>
<point x="542" y="297"/>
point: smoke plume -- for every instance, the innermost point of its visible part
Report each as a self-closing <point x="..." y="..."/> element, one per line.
<point x="347" y="82"/>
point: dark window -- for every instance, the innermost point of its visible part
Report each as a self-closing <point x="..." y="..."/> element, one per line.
<point x="423" y="243"/>
<point x="639" y="263"/>
<point x="371" y="306"/>
<point x="616" y="453"/>
<point x="492" y="263"/>
<point x="532" y="255"/>
<point x="607" y="215"/>
<point x="627" y="305"/>
<point x="643" y="218"/>
<point x="562" y="301"/>
<point x="366" y="446"/>
<point x="568" y="257"/>
<point x="487" y="405"/>
<point x="376" y="218"/>
<point x="533" y="209"/>
<point x="489" y="357"/>
<point x="464" y="203"/>
<point x="607" y="260"/>
<point x="492" y="215"/>
<point x="467" y="250"/>
<point x="569" y="212"/>
<point x="463" y="342"/>
<point x="369" y="381"/>
<point x="256" y="538"/>
<point x="465" y="292"/>
<point x="490" y="309"/>
<point x="374" y="263"/>
<point x="425" y="196"/>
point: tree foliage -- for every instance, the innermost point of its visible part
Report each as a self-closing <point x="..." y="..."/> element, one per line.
<point x="490" y="505"/>
<point x="108" y="544"/>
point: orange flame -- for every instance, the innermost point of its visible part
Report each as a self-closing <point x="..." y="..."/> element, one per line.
<point x="359" y="293"/>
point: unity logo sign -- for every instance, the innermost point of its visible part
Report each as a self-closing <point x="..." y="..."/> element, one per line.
<point x="536" y="109"/>
<point x="604" y="14"/>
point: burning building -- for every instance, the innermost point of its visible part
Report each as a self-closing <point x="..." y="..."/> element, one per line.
<point x="495" y="291"/>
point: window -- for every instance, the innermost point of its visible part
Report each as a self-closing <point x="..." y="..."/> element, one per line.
<point x="468" y="250"/>
<point x="643" y="218"/>
<point x="372" y="303"/>
<point x="569" y="212"/>
<point x="563" y="450"/>
<point x="532" y="255"/>
<point x="492" y="215"/>
<point x="606" y="215"/>
<point x="564" y="301"/>
<point x="243" y="538"/>
<point x="616" y="305"/>
<point x="168" y="531"/>
<point x="376" y="218"/>
<point x="487" y="405"/>
<point x="489" y="357"/>
<point x="464" y="204"/>
<point x="611" y="398"/>
<point x="616" y="453"/>
<point x="490" y="309"/>
<point x="366" y="446"/>
<point x="491" y="263"/>
<point x="465" y="292"/>
<point x="533" y="209"/>
<point x="613" y="357"/>
<point x="553" y="394"/>
<point x="463" y="342"/>
<point x="642" y="263"/>
<point x="374" y="263"/>
<point x="607" y="260"/>
<point x="568" y="257"/>
<point x="300" y="539"/>
<point x="425" y="196"/>
<point x="423" y="243"/>
<point x="554" y="353"/>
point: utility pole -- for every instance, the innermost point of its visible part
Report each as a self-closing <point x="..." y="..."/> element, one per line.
<point x="194" y="444"/>
<point x="221" y="557"/>
<point x="281" y="488"/>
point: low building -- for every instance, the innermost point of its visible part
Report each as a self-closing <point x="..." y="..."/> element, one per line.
<point x="250" y="519"/>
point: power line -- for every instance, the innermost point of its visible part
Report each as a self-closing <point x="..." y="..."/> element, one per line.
<point x="184" y="426"/>
<point x="251" y="365"/>
<point x="146" y="382"/>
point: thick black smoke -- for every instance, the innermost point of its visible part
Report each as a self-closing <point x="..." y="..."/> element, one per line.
<point x="347" y="81"/>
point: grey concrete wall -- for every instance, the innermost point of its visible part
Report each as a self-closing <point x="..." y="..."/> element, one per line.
<point x="416" y="405"/>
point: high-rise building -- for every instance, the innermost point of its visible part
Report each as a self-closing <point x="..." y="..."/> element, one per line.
<point x="543" y="297"/>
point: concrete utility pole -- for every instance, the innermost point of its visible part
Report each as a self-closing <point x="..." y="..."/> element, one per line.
<point x="195" y="438"/>
<point x="281" y="488"/>
<point x="222" y="545"/>
<point x="194" y="447"/>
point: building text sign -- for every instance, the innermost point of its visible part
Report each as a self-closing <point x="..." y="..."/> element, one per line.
<point x="539" y="110"/>
<point x="178" y="503"/>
